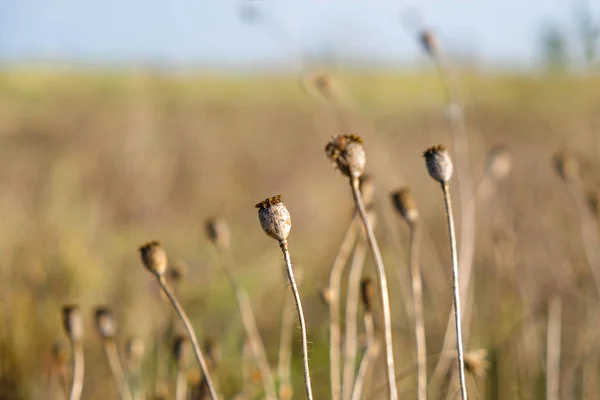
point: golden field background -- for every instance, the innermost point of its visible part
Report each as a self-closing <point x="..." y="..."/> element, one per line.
<point x="93" y="165"/>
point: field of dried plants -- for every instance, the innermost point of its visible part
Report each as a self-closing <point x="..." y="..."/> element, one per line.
<point x="94" y="165"/>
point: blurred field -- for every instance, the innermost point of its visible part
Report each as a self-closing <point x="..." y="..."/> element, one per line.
<point x="93" y="165"/>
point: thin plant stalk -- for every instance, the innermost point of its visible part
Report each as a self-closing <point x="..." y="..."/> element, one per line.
<point x="553" y="348"/>
<point x="112" y="355"/>
<point x="456" y="291"/>
<point x="285" y="347"/>
<point x="288" y="263"/>
<point x="351" y="333"/>
<point x="190" y="330"/>
<point x="78" y="370"/>
<point x="256" y="345"/>
<point x="382" y="280"/>
<point x="417" y="289"/>
<point x="335" y="283"/>
<point x="181" y="385"/>
<point x="371" y="352"/>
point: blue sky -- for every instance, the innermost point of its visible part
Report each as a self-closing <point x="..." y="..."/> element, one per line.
<point x="211" y="33"/>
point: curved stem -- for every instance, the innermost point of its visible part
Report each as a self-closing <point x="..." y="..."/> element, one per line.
<point x="335" y="283"/>
<point x="383" y="290"/>
<point x="256" y="345"/>
<point x="78" y="371"/>
<point x="110" y="349"/>
<point x="456" y="291"/>
<point x="370" y="354"/>
<point x="288" y="264"/>
<point x="351" y="346"/>
<point x="190" y="330"/>
<point x="417" y="289"/>
<point x="285" y="349"/>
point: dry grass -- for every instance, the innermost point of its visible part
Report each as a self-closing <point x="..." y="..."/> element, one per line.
<point x="91" y="166"/>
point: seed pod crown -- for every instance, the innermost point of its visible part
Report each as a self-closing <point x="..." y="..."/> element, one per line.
<point x="439" y="163"/>
<point x="154" y="257"/>
<point x="274" y="218"/>
<point x="346" y="153"/>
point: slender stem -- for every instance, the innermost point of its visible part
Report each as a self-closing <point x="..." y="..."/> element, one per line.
<point x="190" y="330"/>
<point x="288" y="263"/>
<point x="285" y="349"/>
<point x="383" y="290"/>
<point x="417" y="289"/>
<point x="180" y="385"/>
<point x="370" y="354"/>
<point x="456" y="290"/>
<point x="553" y="348"/>
<point x="78" y="370"/>
<point x="110" y="349"/>
<point x="256" y="345"/>
<point x="353" y="297"/>
<point x="335" y="283"/>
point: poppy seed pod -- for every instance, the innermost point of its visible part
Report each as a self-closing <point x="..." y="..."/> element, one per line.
<point x="367" y="293"/>
<point x="105" y="323"/>
<point x="499" y="163"/>
<point x="404" y="203"/>
<point x="72" y="322"/>
<point x="154" y="257"/>
<point x="346" y="152"/>
<point x="177" y="271"/>
<point x="181" y="350"/>
<point x="439" y="163"/>
<point x="429" y="42"/>
<point x="567" y="166"/>
<point x="218" y="232"/>
<point x="367" y="189"/>
<point x="274" y="218"/>
<point x="135" y="349"/>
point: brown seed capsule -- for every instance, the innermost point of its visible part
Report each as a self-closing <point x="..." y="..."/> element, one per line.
<point x="367" y="293"/>
<point x="499" y="163"/>
<point x="154" y="257"/>
<point x="134" y="349"/>
<point x="181" y="351"/>
<point x="567" y="166"/>
<point x="218" y="232"/>
<point x="274" y="218"/>
<point x="72" y="322"/>
<point x="439" y="163"/>
<point x="429" y="42"/>
<point x="476" y="363"/>
<point x="367" y="189"/>
<point x="405" y="204"/>
<point x="105" y="323"/>
<point x="346" y="152"/>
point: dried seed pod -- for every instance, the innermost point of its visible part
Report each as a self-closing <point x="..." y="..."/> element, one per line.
<point x="499" y="163"/>
<point x="134" y="349"/>
<point x="154" y="257"/>
<point x="476" y="363"/>
<point x="72" y="322"/>
<point x="429" y="42"/>
<point x="439" y="163"/>
<point x="405" y="204"/>
<point x="367" y="293"/>
<point x="367" y="189"/>
<point x="274" y="218"/>
<point x="567" y="166"/>
<point x="106" y="325"/>
<point x="181" y="351"/>
<point x="218" y="232"/>
<point x="346" y="152"/>
<point x="177" y="271"/>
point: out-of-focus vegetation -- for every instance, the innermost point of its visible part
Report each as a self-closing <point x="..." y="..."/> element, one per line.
<point x="92" y="166"/>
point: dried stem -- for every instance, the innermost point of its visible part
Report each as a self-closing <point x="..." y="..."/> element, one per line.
<point x="256" y="345"/>
<point x="382" y="280"/>
<point x="190" y="330"/>
<point x="352" y="300"/>
<point x="417" y="289"/>
<point x="370" y="354"/>
<point x="181" y="385"/>
<point x="110" y="349"/>
<point x="456" y="291"/>
<point x="335" y="283"/>
<point x="285" y="347"/>
<point x="553" y="348"/>
<point x="78" y="370"/>
<point x="288" y="263"/>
